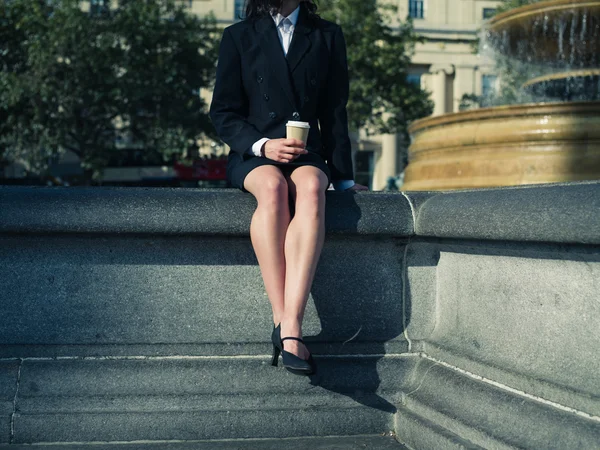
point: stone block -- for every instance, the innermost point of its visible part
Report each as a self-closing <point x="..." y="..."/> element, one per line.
<point x="116" y="289"/>
<point x="566" y="213"/>
<point x="532" y="311"/>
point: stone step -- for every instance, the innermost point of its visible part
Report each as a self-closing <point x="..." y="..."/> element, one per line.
<point x="489" y="415"/>
<point x="131" y="399"/>
<point x="369" y="442"/>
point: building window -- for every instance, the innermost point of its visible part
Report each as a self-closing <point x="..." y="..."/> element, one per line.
<point x="414" y="78"/>
<point x="488" y="85"/>
<point x="488" y="13"/>
<point x="415" y="9"/>
<point x="239" y="10"/>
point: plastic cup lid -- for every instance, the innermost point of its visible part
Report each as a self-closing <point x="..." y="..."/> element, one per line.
<point x="292" y="123"/>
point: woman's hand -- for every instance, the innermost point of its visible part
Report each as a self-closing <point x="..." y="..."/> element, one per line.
<point x="357" y="187"/>
<point x="284" y="150"/>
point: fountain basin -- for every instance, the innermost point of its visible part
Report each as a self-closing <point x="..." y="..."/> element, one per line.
<point x="505" y="146"/>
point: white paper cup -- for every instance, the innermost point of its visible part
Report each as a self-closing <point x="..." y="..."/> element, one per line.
<point x="297" y="130"/>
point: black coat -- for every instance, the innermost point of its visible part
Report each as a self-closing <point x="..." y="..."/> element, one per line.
<point x="258" y="89"/>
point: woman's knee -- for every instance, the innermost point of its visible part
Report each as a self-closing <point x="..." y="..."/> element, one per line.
<point x="273" y="192"/>
<point x="311" y="186"/>
<point x="310" y="195"/>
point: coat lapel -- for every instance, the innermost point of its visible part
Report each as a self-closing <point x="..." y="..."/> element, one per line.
<point x="271" y="47"/>
<point x="300" y="40"/>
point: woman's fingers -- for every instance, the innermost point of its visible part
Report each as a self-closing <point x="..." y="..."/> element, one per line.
<point x="284" y="150"/>
<point x="288" y="154"/>
<point x="293" y="150"/>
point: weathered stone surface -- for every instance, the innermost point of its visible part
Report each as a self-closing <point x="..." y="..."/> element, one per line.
<point x="532" y="311"/>
<point x="567" y="213"/>
<point x="199" y="424"/>
<point x="8" y="386"/>
<point x="491" y="417"/>
<point x="420" y="289"/>
<point x="114" y="289"/>
<point x="353" y="347"/>
<point x="4" y="429"/>
<point x="176" y="211"/>
<point x="173" y="273"/>
<point x="418" y="433"/>
<point x="204" y="398"/>
<point x="307" y="443"/>
<point x="117" y="379"/>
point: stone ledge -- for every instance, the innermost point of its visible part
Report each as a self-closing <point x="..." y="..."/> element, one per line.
<point x="176" y="211"/>
<point x="360" y="442"/>
<point x="523" y="213"/>
<point x="565" y="213"/>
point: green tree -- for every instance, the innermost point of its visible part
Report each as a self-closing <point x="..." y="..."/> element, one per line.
<point x="77" y="78"/>
<point x="511" y="4"/>
<point x="381" y="99"/>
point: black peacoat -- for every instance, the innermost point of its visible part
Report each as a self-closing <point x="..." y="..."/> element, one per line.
<point x="258" y="89"/>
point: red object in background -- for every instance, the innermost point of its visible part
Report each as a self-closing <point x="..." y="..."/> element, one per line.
<point x="202" y="169"/>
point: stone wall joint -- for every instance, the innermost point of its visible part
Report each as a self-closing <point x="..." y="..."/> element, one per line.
<point x="14" y="410"/>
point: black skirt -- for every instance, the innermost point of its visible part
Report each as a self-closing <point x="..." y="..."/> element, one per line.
<point x="238" y="167"/>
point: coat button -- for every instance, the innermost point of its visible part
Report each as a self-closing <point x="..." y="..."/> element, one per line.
<point x="266" y="97"/>
<point x="259" y="79"/>
<point x="295" y="115"/>
<point x="306" y="98"/>
<point x="272" y="115"/>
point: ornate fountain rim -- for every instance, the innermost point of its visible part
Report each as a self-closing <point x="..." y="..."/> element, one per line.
<point x="499" y="112"/>
<point x="583" y="73"/>
<point x="535" y="9"/>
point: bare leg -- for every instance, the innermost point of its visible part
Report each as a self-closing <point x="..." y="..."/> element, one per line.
<point x="267" y="230"/>
<point x="303" y="243"/>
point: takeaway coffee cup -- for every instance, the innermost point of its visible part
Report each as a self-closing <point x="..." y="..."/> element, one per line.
<point x="297" y="130"/>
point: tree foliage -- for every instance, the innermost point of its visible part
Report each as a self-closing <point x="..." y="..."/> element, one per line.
<point x="381" y="99"/>
<point x="511" y="4"/>
<point x="77" y="78"/>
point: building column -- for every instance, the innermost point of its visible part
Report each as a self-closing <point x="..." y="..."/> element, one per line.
<point x="386" y="164"/>
<point x="439" y="82"/>
<point x="464" y="83"/>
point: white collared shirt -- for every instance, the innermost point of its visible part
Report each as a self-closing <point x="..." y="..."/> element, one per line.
<point x="285" y="33"/>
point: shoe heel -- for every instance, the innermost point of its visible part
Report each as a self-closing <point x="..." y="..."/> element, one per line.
<point x="275" y="358"/>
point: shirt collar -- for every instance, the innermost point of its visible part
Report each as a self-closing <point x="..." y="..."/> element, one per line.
<point x="278" y="18"/>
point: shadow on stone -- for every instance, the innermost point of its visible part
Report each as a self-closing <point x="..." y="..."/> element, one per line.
<point x="359" y="309"/>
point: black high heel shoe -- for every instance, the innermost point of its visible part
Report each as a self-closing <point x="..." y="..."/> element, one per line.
<point x="277" y="346"/>
<point x="291" y="362"/>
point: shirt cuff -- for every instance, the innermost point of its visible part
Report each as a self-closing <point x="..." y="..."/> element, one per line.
<point x="342" y="185"/>
<point x="257" y="146"/>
